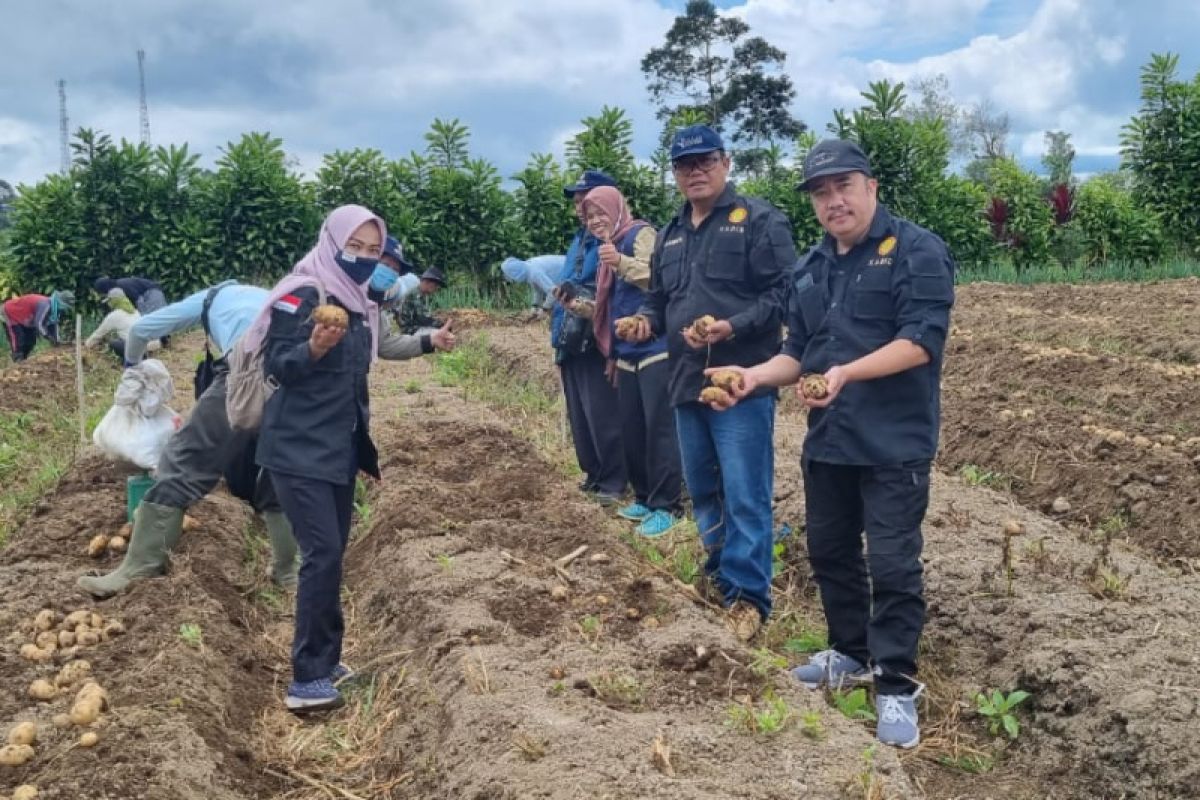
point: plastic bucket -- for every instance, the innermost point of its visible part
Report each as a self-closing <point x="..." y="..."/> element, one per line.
<point x="136" y="487"/>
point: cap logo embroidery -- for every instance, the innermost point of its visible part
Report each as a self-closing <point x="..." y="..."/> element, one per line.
<point x="688" y="141"/>
<point x="823" y="158"/>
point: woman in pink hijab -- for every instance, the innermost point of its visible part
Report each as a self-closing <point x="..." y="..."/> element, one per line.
<point x="651" y="450"/>
<point x="315" y="434"/>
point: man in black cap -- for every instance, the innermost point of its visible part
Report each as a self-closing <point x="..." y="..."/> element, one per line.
<point x="728" y="257"/>
<point x="591" y="397"/>
<point x="867" y="316"/>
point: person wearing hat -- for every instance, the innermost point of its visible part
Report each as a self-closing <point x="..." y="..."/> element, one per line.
<point x="393" y="256"/>
<point x="869" y="311"/>
<point x="727" y="256"/>
<point x="114" y="328"/>
<point x="32" y="315"/>
<point x="415" y="315"/>
<point x="588" y="381"/>
<point x="146" y="295"/>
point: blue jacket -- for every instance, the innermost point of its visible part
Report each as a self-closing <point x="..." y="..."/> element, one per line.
<point x="580" y="267"/>
<point x="627" y="298"/>
<point x="898" y="283"/>
<point x="317" y="425"/>
<point x="233" y="310"/>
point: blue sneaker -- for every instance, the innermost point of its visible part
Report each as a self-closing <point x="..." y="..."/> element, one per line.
<point x="340" y="673"/>
<point x="657" y="523"/>
<point x="831" y="668"/>
<point x="898" y="719"/>
<point x="636" y="512"/>
<point x="305" y="697"/>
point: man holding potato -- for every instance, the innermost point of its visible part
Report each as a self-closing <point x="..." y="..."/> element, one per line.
<point x="867" y="318"/>
<point x="718" y="277"/>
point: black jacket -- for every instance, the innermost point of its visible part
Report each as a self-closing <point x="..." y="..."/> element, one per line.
<point x="896" y="284"/>
<point x="317" y="425"/>
<point x="735" y="266"/>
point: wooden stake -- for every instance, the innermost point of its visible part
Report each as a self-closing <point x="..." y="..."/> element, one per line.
<point x="79" y="378"/>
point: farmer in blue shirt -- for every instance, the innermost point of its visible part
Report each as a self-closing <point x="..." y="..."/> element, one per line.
<point x="867" y="317"/>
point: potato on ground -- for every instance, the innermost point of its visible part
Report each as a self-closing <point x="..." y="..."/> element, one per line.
<point x="23" y="733"/>
<point x="14" y="755"/>
<point x="97" y="545"/>
<point x="26" y="791"/>
<point x="331" y="316"/>
<point x="814" y="386"/>
<point x="42" y="689"/>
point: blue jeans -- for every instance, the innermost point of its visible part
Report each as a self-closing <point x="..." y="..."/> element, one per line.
<point x="729" y="467"/>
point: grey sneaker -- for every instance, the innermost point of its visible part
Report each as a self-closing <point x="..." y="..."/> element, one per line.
<point x="831" y="668"/>
<point x="898" y="719"/>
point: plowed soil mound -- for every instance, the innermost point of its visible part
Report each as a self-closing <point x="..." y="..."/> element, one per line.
<point x="1103" y="721"/>
<point x="182" y="708"/>
<point x="516" y="694"/>
<point x="1088" y="394"/>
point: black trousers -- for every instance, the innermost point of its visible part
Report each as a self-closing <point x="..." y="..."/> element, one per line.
<point x="874" y="607"/>
<point x="320" y="515"/>
<point x="206" y="448"/>
<point x="595" y="418"/>
<point x="21" y="339"/>
<point x="648" y="430"/>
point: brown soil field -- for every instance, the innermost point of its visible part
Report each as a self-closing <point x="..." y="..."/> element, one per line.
<point x="491" y="669"/>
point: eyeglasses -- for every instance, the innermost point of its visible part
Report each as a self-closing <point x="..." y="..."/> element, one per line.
<point x="706" y="162"/>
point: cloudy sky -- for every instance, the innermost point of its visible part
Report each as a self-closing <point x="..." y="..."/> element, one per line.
<point x="340" y="74"/>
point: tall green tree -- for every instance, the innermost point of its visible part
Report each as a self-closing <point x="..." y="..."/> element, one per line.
<point x="708" y="64"/>
<point x="357" y="176"/>
<point x="266" y="218"/>
<point x="1059" y="158"/>
<point x="1161" y="147"/>
<point x="910" y="156"/>
<point x="546" y="217"/>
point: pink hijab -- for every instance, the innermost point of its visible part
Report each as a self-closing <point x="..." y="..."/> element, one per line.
<point x="320" y="267"/>
<point x="609" y="200"/>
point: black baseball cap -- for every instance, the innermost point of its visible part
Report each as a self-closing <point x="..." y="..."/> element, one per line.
<point x="833" y="157"/>
<point x="589" y="180"/>
<point x="434" y="274"/>
<point x="693" y="140"/>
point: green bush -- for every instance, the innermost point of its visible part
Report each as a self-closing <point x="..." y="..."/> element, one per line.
<point x="1114" y="227"/>
<point x="1028" y="222"/>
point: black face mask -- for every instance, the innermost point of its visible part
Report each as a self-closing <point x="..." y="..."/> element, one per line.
<point x="359" y="268"/>
<point x="376" y="296"/>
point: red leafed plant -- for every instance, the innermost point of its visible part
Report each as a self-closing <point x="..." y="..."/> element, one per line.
<point x="1062" y="200"/>
<point x="997" y="214"/>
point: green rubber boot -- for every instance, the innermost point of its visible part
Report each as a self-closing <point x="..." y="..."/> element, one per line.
<point x="284" y="566"/>
<point x="156" y="530"/>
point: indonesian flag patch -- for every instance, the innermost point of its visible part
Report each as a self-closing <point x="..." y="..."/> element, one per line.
<point x="288" y="303"/>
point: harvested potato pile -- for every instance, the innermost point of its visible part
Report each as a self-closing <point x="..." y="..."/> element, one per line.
<point x="331" y="316"/>
<point x="814" y="386"/>
<point x="627" y="326"/>
<point x="714" y="394"/>
<point x="61" y="639"/>
<point x="728" y="379"/>
<point x="699" y="327"/>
